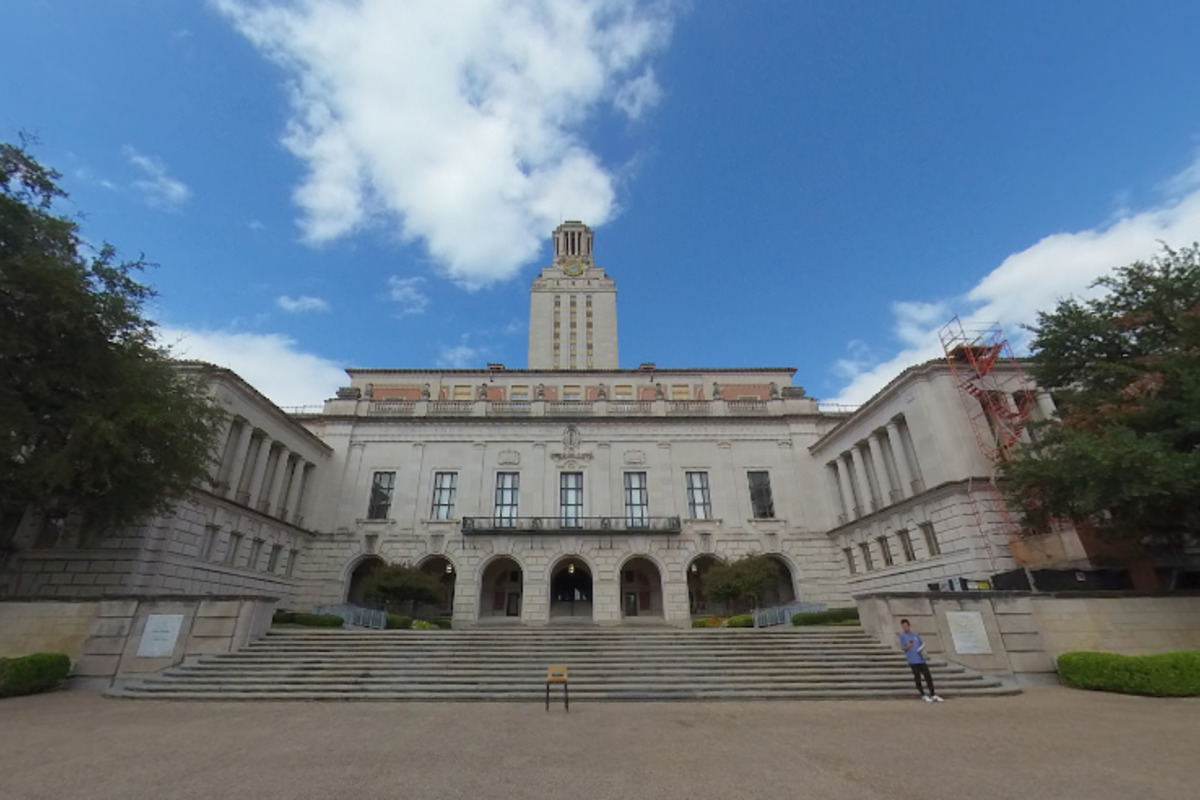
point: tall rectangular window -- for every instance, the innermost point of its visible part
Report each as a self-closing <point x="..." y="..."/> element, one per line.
<point x="637" y="503"/>
<point x="906" y="544"/>
<point x="293" y="558"/>
<point x="444" y="484"/>
<point x="273" y="559"/>
<point x="760" y="495"/>
<point x="623" y="392"/>
<point x="572" y="394"/>
<point x="680" y="392"/>
<point x="931" y="541"/>
<point x="885" y="548"/>
<point x="235" y="544"/>
<point x="868" y="562"/>
<point x="508" y="486"/>
<point x="699" y="500"/>
<point x="210" y="539"/>
<point x="849" y="554"/>
<point x="462" y="393"/>
<point x="382" y="486"/>
<point x="519" y="393"/>
<point x="255" y="554"/>
<point x="570" y="499"/>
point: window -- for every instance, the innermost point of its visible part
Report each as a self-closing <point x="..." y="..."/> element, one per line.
<point x="849" y="554"/>
<point x="293" y="557"/>
<point x="623" y="392"/>
<point x="636" y="502"/>
<point x="760" y="495"/>
<point x="444" y="484"/>
<point x="699" y="500"/>
<point x="570" y="498"/>
<point x="462" y="393"/>
<point x="868" y="562"/>
<point x="571" y="394"/>
<point x="273" y="559"/>
<point x="679" y="392"/>
<point x="931" y="540"/>
<point x="507" y="487"/>
<point x="886" y="549"/>
<point x="235" y="544"/>
<point x="519" y="393"/>
<point x="210" y="539"/>
<point x="382" y="486"/>
<point x="255" y="554"/>
<point x="906" y="545"/>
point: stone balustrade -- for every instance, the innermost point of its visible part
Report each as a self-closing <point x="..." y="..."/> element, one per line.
<point x="785" y="406"/>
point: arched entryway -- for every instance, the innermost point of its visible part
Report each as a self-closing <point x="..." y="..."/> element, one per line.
<point x="500" y="589"/>
<point x="641" y="588"/>
<point x="355" y="586"/>
<point x="571" y="589"/>
<point x="784" y="589"/>
<point x="442" y="571"/>
<point x="699" y="603"/>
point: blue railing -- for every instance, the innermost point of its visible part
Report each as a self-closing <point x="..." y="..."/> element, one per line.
<point x="782" y="615"/>
<point x="357" y="615"/>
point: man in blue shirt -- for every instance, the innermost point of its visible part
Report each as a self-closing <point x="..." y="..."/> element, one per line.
<point x="914" y="654"/>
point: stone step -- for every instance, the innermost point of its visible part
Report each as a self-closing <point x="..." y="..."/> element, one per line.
<point x="586" y="669"/>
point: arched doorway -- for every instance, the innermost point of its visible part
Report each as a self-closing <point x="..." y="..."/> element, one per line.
<point x="641" y="588"/>
<point x="784" y="589"/>
<point x="699" y="603"/>
<point x="500" y="589"/>
<point x="571" y="589"/>
<point x="441" y="570"/>
<point x="355" y="587"/>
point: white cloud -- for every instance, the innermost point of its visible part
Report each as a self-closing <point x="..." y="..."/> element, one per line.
<point x="639" y="95"/>
<point x="270" y="363"/>
<point x="255" y="225"/>
<point x="299" y="305"/>
<point x="158" y="188"/>
<point x="1035" y="279"/>
<point x="461" y="124"/>
<point x="407" y="293"/>
<point x="463" y="355"/>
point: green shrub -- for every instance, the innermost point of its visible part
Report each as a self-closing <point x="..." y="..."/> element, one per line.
<point x="443" y="623"/>
<point x="834" y="616"/>
<point x="398" y="622"/>
<point x="282" y="617"/>
<point x="701" y="622"/>
<point x="1163" y="675"/>
<point x="34" y="673"/>
<point x="318" y="620"/>
<point x="424" y="625"/>
<point x="708" y="622"/>
<point x="740" y="621"/>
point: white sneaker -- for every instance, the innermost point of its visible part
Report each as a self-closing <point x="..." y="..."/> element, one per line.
<point x="938" y="699"/>
<point x="927" y="698"/>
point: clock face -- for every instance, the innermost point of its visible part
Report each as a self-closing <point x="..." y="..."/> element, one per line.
<point x="572" y="267"/>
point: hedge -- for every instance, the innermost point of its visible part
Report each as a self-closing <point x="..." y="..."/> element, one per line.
<point x="833" y="616"/>
<point x="423" y="625"/>
<point x="740" y="621"/>
<point x="1163" y="675"/>
<point x="398" y="622"/>
<point x="442" y="623"/>
<point x="318" y="620"/>
<point x="34" y="673"/>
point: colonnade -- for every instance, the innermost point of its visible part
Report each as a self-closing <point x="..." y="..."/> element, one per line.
<point x="876" y="471"/>
<point x="261" y="473"/>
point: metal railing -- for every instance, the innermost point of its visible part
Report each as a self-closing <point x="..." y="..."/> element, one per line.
<point x="782" y="615"/>
<point x="601" y="525"/>
<point x="356" y="615"/>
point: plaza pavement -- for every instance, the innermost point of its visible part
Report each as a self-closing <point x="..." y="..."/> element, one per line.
<point x="1047" y="743"/>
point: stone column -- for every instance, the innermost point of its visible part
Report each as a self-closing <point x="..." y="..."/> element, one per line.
<point x="291" y="506"/>
<point x="851" y="491"/>
<point x="274" y="498"/>
<point x="303" y="511"/>
<point x="1044" y="403"/>
<point x="886" y="492"/>
<point x="239" y="458"/>
<point x="900" y="455"/>
<point x="864" y="482"/>
<point x="840" y="490"/>
<point x="255" y="489"/>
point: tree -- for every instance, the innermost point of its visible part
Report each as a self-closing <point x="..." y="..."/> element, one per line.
<point x="400" y="587"/>
<point x="741" y="581"/>
<point x="1123" y="456"/>
<point x="98" y="428"/>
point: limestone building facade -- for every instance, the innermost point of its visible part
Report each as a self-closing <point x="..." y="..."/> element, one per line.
<point x="568" y="490"/>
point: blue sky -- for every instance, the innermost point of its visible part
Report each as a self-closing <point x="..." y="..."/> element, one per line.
<point x="810" y="184"/>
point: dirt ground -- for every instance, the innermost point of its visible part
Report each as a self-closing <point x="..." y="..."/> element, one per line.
<point x="1047" y="743"/>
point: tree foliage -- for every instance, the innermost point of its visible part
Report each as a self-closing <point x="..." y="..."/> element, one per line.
<point x="402" y="587"/>
<point x="1124" y="371"/>
<point x="741" y="581"/>
<point x="98" y="427"/>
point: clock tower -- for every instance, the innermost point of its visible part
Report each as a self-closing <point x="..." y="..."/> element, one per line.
<point x="573" y="307"/>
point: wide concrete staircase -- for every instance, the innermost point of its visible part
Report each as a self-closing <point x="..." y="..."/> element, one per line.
<point x="510" y="665"/>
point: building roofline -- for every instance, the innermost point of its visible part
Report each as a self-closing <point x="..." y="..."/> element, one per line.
<point x="875" y="399"/>
<point x="506" y="371"/>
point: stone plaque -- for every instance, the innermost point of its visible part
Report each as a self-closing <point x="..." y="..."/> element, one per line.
<point x="968" y="633"/>
<point x="159" y="636"/>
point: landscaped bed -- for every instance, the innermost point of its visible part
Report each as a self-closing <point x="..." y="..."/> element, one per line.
<point x="1162" y="675"/>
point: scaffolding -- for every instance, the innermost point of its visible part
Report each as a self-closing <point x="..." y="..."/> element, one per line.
<point x="998" y="403"/>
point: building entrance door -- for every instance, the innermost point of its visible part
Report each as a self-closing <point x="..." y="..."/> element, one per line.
<point x="513" y="607"/>
<point x="631" y="604"/>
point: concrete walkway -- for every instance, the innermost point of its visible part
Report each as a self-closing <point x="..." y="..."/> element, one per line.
<point x="1047" y="743"/>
